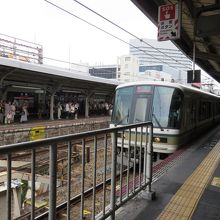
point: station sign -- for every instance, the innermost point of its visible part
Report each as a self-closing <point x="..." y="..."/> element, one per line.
<point x="168" y="22"/>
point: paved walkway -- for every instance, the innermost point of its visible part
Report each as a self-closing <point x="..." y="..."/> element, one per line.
<point x="189" y="190"/>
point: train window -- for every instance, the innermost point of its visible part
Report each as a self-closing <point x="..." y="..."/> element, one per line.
<point x="192" y="114"/>
<point x="122" y="105"/>
<point x="166" y="107"/>
<point x="174" y="115"/>
<point x="140" y="109"/>
<point x="204" y="110"/>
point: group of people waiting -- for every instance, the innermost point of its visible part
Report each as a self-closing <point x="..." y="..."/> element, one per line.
<point x="67" y="110"/>
<point x="100" y="108"/>
<point x="8" y="111"/>
<point x="71" y="110"/>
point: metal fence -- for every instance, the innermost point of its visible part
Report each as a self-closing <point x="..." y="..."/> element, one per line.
<point x="15" y="48"/>
<point x="84" y="178"/>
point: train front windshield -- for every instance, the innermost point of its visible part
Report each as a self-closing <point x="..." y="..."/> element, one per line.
<point x="122" y="106"/>
<point x="141" y="103"/>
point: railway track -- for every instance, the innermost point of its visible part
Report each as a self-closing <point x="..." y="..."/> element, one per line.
<point x="159" y="169"/>
<point x="25" y="154"/>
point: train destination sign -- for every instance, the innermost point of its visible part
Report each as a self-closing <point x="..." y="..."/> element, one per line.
<point x="168" y="22"/>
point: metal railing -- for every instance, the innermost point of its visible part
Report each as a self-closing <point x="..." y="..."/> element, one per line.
<point x="90" y="177"/>
<point x="19" y="49"/>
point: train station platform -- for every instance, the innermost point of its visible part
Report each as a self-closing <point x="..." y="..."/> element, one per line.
<point x="49" y="123"/>
<point x="188" y="189"/>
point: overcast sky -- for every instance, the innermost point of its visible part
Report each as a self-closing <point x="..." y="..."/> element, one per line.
<point x="65" y="37"/>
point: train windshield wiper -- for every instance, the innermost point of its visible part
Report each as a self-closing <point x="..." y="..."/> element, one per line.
<point x="125" y="117"/>
<point x="158" y="123"/>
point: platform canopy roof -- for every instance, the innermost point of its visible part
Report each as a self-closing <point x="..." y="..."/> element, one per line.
<point x="29" y="75"/>
<point x="200" y="24"/>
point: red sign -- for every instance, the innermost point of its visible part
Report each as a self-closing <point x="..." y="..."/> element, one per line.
<point x="168" y="22"/>
<point x="167" y="12"/>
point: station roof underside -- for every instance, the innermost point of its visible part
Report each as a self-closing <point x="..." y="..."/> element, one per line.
<point x="14" y="72"/>
<point x="200" y="24"/>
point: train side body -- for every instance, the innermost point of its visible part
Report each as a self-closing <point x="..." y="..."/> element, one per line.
<point x="178" y="113"/>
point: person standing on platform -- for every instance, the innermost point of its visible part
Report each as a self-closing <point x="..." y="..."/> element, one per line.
<point x="2" y="107"/>
<point x="59" y="110"/>
<point x="24" y="113"/>
<point x="106" y="108"/>
<point x="7" y="110"/>
<point x="67" y="110"/>
<point x="13" y="111"/>
<point x="76" y="110"/>
<point x="72" y="110"/>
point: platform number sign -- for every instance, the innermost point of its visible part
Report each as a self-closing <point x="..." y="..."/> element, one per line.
<point x="168" y="22"/>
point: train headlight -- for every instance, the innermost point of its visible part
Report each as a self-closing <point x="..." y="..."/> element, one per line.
<point x="157" y="139"/>
<point x="160" y="139"/>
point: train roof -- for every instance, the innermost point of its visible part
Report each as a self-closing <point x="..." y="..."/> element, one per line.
<point x="168" y="84"/>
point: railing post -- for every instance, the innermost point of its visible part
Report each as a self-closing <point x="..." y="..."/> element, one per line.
<point x="113" y="173"/>
<point x="149" y="157"/>
<point x="94" y="179"/>
<point x="9" y="209"/>
<point x="149" y="171"/>
<point x="33" y="164"/>
<point x="53" y="182"/>
<point x="82" y="180"/>
<point x="69" y="179"/>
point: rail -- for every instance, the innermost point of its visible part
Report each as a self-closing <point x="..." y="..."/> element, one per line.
<point x="19" y="49"/>
<point x="109" y="184"/>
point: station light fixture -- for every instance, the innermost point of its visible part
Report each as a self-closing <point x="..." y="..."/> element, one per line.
<point x="71" y="91"/>
<point x="26" y="87"/>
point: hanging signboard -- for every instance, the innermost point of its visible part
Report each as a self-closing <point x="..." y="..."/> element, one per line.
<point x="168" y="22"/>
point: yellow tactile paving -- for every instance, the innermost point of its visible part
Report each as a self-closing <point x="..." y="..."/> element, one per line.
<point x="184" y="202"/>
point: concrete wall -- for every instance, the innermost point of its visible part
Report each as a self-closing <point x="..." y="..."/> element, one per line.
<point x="11" y="136"/>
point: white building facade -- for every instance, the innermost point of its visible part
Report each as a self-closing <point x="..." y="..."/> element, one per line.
<point x="151" y="52"/>
<point x="127" y="68"/>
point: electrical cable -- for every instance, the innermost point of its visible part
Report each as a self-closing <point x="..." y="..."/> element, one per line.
<point x="126" y="31"/>
<point x="70" y="13"/>
<point x="114" y="35"/>
<point x="82" y="65"/>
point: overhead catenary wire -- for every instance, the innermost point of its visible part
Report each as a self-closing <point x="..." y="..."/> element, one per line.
<point x="133" y="35"/>
<point x="112" y="35"/>
<point x="126" y="31"/>
<point x="77" y="64"/>
<point x="72" y="63"/>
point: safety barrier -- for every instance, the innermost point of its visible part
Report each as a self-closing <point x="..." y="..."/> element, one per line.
<point x="15" y="48"/>
<point x="100" y="185"/>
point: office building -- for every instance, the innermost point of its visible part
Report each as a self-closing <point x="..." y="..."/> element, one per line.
<point x="105" y="71"/>
<point x="152" y="52"/>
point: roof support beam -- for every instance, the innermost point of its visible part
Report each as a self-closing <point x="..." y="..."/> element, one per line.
<point x="190" y="6"/>
<point x="207" y="56"/>
<point x="202" y="9"/>
<point x="5" y="75"/>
